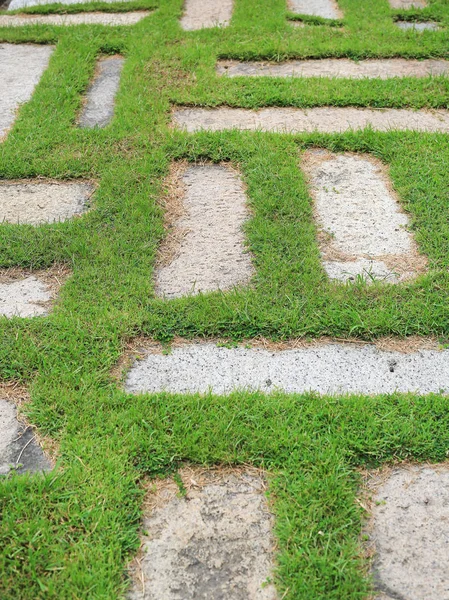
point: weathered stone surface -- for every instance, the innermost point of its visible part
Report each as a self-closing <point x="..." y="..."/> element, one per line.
<point x="409" y="531"/>
<point x="86" y="18"/>
<point x="214" y="543"/>
<point x="27" y="297"/>
<point x="18" y="4"/>
<point x="199" y="14"/>
<point x="37" y="203"/>
<point x="429" y="25"/>
<point x="297" y="120"/>
<point x="18" y="447"/>
<point x="336" y="67"/>
<point x="99" y="107"/>
<point x="404" y="4"/>
<point x="207" y="241"/>
<point x="21" y="67"/>
<point x="329" y="368"/>
<point x="363" y="230"/>
<point x="328" y="9"/>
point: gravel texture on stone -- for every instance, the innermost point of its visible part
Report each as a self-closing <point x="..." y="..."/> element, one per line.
<point x="37" y="203"/>
<point x="18" y="447"/>
<point x="199" y="14"/>
<point x="21" y="67"/>
<point x="405" y="4"/>
<point x="28" y="297"/>
<point x="359" y="217"/>
<point x="324" y="120"/>
<point x="86" y="18"/>
<point x="18" y="4"/>
<point x="429" y="25"/>
<point x="99" y="107"/>
<point x="336" y="67"/>
<point x="330" y="368"/>
<point x="211" y="254"/>
<point x="214" y="543"/>
<point x="327" y="9"/>
<point x="410" y="533"/>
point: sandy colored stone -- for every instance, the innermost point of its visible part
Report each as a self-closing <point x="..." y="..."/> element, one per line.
<point x="369" y="270"/>
<point x="18" y="4"/>
<point x="328" y="9"/>
<point x="297" y="120"/>
<point x="28" y="297"/>
<point x="405" y="4"/>
<point x="329" y="368"/>
<point x="21" y="67"/>
<point x="214" y="543"/>
<point x="87" y="18"/>
<point x="427" y="25"/>
<point x="209" y="252"/>
<point x="199" y="14"/>
<point x="336" y="67"/>
<point x="18" y="447"/>
<point x="43" y="202"/>
<point x="99" y="107"/>
<point x="410" y="532"/>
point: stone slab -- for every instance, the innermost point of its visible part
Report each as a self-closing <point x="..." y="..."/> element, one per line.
<point x="363" y="230"/>
<point x="99" y="107"/>
<point x="410" y="533"/>
<point x="19" y="449"/>
<point x="415" y="26"/>
<point x="25" y="297"/>
<point x="86" y="18"/>
<point x="21" y="67"/>
<point x="336" y="67"/>
<point x="322" y="120"/>
<point x="206" y="241"/>
<point x="214" y="543"/>
<point x="328" y="368"/>
<point x="199" y="14"/>
<point x="19" y="4"/>
<point x="327" y="9"/>
<point x="406" y="4"/>
<point x="36" y="203"/>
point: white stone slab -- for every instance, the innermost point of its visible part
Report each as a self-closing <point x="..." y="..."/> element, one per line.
<point x="362" y="226"/>
<point x="21" y="67"/>
<point x="327" y="9"/>
<point x="86" y="18"/>
<point x="211" y="252"/>
<point x="415" y="26"/>
<point x="405" y="4"/>
<point x="410" y="533"/>
<point x="18" y="4"/>
<point x="330" y="368"/>
<point x="216" y="542"/>
<point x="37" y="203"/>
<point x="199" y="14"/>
<point x="27" y="297"/>
<point x="99" y="107"/>
<point x="18" y="447"/>
<point x="297" y="120"/>
<point x="336" y="67"/>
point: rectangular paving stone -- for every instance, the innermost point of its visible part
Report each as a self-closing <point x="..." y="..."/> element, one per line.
<point x="18" y="4"/>
<point x="215" y="542"/>
<point x="99" y="107"/>
<point x="297" y="120"/>
<point x="29" y="294"/>
<point x="405" y="4"/>
<point x="327" y="9"/>
<point x="32" y="202"/>
<point x="362" y="229"/>
<point x="328" y="368"/>
<point x="199" y="14"/>
<point x="205" y="244"/>
<point x="409" y="531"/>
<point x="415" y="26"/>
<point x="336" y="67"/>
<point x="86" y="18"/>
<point x="21" y="67"/>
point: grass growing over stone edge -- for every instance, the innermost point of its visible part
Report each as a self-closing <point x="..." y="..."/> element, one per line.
<point x="70" y="533"/>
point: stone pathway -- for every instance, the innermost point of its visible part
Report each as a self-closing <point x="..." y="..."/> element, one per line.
<point x="99" y="107"/>
<point x="85" y="18"/>
<point x="405" y="4"/>
<point x="18" y="4"/>
<point x="327" y="9"/>
<point x="213" y="13"/>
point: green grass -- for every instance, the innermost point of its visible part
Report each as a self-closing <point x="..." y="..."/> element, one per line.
<point x="70" y="534"/>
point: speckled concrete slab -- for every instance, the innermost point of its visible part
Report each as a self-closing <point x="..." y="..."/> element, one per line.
<point x="27" y="297"/>
<point x="328" y="9"/>
<point x="214" y="543"/>
<point x="424" y="26"/>
<point x="93" y="18"/>
<point x="18" y="448"/>
<point x="199" y="14"/>
<point x="410" y="532"/>
<point x="296" y="120"/>
<point x="209" y="246"/>
<point x="404" y="4"/>
<point x="363" y="231"/>
<point x="99" y="107"/>
<point x="336" y="67"/>
<point x="37" y="203"/>
<point x="18" y="4"/>
<point x="329" y="368"/>
<point x="21" y="67"/>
